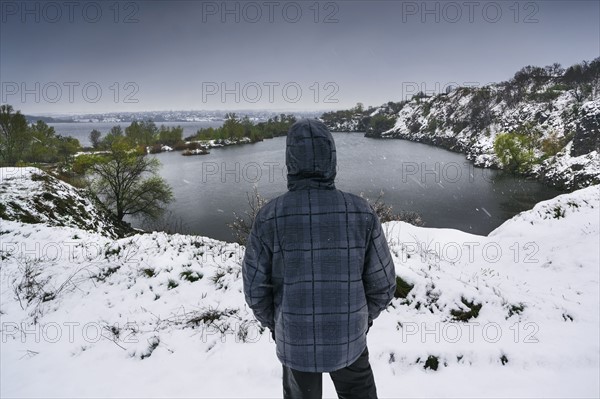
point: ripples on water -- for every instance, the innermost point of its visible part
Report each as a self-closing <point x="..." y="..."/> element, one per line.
<point x="446" y="189"/>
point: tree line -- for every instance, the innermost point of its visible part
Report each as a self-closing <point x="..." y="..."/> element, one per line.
<point x="138" y="134"/>
<point x="21" y="143"/>
<point x="121" y="176"/>
<point x="235" y="128"/>
<point x="371" y="120"/>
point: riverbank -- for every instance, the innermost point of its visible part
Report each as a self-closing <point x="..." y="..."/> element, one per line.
<point x="575" y="165"/>
<point x="199" y="147"/>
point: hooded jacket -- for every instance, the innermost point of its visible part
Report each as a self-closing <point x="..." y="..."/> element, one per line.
<point x="317" y="268"/>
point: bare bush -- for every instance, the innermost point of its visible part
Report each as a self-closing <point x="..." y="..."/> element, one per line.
<point x="386" y="212"/>
<point x="33" y="291"/>
<point x="167" y="223"/>
<point x="242" y="224"/>
<point x="32" y="286"/>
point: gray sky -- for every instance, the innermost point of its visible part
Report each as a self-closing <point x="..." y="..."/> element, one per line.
<point x="64" y="57"/>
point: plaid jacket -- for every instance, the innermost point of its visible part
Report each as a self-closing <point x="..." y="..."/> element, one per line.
<point x="317" y="268"/>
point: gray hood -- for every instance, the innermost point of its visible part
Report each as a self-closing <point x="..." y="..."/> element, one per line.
<point x="310" y="156"/>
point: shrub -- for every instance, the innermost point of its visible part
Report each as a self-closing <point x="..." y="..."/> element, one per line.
<point x="217" y="277"/>
<point x="432" y="363"/>
<point x="32" y="286"/>
<point x="466" y="315"/>
<point x="480" y="105"/>
<point x="191" y="275"/>
<point x="152" y="345"/>
<point x="172" y="284"/>
<point x="515" y="309"/>
<point x="426" y="108"/>
<point x="106" y="272"/>
<point x="545" y="96"/>
<point x="551" y="145"/>
<point x="218" y="319"/>
<point x="402" y="288"/>
<point x="514" y="151"/>
<point x="557" y="212"/>
<point x="379" y="124"/>
<point x="386" y="214"/>
<point x="148" y="272"/>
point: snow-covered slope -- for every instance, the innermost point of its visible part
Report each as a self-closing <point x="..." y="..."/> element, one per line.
<point x="516" y="313"/>
<point x="30" y="195"/>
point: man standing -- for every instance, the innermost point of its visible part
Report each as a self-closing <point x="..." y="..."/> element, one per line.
<point x="317" y="272"/>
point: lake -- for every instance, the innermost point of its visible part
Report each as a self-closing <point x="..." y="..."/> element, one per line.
<point x="446" y="189"/>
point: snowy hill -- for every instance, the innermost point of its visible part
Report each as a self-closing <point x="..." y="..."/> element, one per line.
<point x="33" y="196"/>
<point x="515" y="313"/>
<point x="441" y="121"/>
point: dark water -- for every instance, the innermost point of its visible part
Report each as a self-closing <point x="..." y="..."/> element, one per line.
<point x="81" y="130"/>
<point x="441" y="185"/>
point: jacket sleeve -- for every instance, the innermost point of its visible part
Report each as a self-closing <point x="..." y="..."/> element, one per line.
<point x="256" y="272"/>
<point x="379" y="275"/>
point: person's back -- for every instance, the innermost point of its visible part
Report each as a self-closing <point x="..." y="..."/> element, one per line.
<point x="317" y="268"/>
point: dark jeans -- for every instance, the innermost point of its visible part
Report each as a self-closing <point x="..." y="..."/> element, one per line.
<point x="354" y="381"/>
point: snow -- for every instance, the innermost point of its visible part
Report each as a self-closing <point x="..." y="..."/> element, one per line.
<point x="125" y="319"/>
<point x="32" y="194"/>
<point x="212" y="143"/>
<point x="557" y="117"/>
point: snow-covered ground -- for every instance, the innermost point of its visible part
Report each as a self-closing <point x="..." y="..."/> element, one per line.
<point x="513" y="314"/>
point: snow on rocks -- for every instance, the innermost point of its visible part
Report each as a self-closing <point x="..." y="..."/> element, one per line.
<point x="446" y="120"/>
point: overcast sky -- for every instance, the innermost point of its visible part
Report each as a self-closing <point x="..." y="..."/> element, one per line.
<point x="66" y="57"/>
